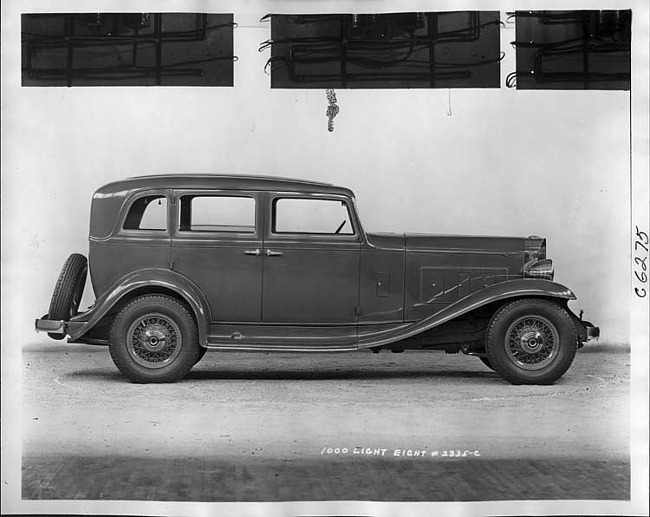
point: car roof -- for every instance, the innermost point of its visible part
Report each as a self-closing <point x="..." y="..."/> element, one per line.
<point x="220" y="181"/>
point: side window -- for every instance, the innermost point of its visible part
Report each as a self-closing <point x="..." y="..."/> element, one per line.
<point x="217" y="214"/>
<point x="147" y="213"/>
<point x="317" y="216"/>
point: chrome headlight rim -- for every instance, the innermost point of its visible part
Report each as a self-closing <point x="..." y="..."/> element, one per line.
<point x="539" y="269"/>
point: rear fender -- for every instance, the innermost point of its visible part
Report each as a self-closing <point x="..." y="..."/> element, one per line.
<point x="150" y="281"/>
<point x="510" y="289"/>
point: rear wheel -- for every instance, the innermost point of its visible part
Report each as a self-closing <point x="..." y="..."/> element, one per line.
<point x="154" y="339"/>
<point x="68" y="290"/>
<point x="531" y="341"/>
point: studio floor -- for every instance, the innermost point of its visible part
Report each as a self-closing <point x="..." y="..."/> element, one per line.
<point x="417" y="426"/>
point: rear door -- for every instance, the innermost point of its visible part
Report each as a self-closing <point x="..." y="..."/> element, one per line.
<point x="217" y="244"/>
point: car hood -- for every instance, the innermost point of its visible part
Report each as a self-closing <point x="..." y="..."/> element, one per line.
<point x="423" y="242"/>
<point x="534" y="246"/>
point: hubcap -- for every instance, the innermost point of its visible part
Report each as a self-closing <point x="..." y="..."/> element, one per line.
<point x="154" y="340"/>
<point x="532" y="342"/>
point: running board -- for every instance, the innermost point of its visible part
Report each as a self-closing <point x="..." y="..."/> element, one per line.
<point x="233" y="347"/>
<point x="284" y="338"/>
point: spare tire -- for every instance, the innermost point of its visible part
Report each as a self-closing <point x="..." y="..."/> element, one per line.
<point x="68" y="290"/>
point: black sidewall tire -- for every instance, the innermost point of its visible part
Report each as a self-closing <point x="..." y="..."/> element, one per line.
<point x="169" y="308"/>
<point x="496" y="341"/>
<point x="68" y="290"/>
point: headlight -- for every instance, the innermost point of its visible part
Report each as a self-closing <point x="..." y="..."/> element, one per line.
<point x="539" y="269"/>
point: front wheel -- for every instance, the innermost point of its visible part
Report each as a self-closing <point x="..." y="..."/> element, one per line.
<point x="531" y="341"/>
<point x="154" y="339"/>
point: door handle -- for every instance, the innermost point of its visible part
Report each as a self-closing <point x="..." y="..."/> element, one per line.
<point x="256" y="253"/>
<point x="270" y="253"/>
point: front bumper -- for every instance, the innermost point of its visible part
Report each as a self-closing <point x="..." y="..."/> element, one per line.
<point x="587" y="331"/>
<point x="592" y="332"/>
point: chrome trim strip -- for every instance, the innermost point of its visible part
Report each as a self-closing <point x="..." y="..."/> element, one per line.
<point x="278" y="348"/>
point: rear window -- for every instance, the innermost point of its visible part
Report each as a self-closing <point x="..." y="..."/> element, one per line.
<point x="147" y="213"/>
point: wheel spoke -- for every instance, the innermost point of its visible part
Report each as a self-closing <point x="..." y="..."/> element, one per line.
<point x="154" y="340"/>
<point x="532" y="342"/>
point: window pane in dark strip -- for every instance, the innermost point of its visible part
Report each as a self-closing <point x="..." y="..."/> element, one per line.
<point x="573" y="50"/>
<point x="127" y="49"/>
<point x="402" y="50"/>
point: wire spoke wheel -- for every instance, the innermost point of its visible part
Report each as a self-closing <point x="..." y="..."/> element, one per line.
<point x="154" y="341"/>
<point x="532" y="342"/>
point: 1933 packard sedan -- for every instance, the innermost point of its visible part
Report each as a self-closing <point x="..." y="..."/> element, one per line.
<point x="181" y="264"/>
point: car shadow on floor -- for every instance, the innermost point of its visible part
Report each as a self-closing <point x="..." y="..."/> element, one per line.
<point x="279" y="374"/>
<point x="598" y="347"/>
<point x="342" y="374"/>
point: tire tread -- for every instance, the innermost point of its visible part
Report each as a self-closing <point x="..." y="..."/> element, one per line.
<point x="70" y="283"/>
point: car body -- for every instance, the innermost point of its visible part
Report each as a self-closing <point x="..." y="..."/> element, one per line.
<point x="273" y="264"/>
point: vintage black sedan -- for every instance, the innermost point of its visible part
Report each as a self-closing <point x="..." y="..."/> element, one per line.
<point x="181" y="264"/>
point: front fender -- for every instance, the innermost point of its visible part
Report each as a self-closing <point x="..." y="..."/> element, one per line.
<point x="152" y="279"/>
<point x="518" y="288"/>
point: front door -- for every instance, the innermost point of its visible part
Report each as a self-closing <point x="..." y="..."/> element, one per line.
<point x="311" y="262"/>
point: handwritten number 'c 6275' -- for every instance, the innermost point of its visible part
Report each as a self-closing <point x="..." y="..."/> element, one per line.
<point x="641" y="246"/>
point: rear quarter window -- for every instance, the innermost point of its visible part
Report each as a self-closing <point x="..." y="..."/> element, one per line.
<point x="147" y="213"/>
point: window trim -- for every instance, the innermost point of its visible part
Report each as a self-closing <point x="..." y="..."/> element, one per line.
<point x="349" y="205"/>
<point x="179" y="194"/>
<point x="128" y="205"/>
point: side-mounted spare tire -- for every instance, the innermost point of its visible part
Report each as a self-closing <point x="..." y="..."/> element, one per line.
<point x="68" y="290"/>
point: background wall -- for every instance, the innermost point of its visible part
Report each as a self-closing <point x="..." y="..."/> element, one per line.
<point x="501" y="161"/>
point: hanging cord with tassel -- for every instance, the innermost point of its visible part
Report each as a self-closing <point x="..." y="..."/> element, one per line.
<point x="332" y="109"/>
